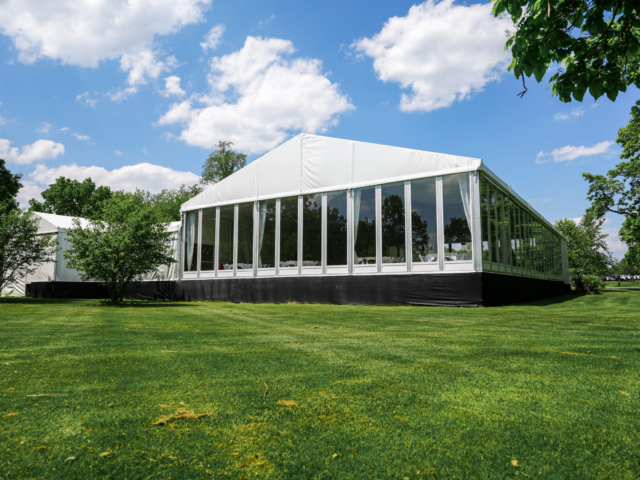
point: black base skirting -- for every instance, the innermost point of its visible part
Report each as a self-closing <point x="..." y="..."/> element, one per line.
<point x="162" y="290"/>
<point x="500" y="289"/>
<point x="458" y="289"/>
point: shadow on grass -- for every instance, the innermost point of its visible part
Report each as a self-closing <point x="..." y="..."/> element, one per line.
<point x="94" y="302"/>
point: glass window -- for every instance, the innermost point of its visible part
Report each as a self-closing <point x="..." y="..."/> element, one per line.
<point x="424" y="220"/>
<point x="245" y="236"/>
<point x="267" y="238"/>
<point x="289" y="232"/>
<point x="505" y="243"/>
<point x="456" y="205"/>
<point x="337" y="228"/>
<point x="208" y="239"/>
<point x="393" y="223"/>
<point x="312" y="230"/>
<point x="225" y="248"/>
<point x="513" y="228"/>
<point x="493" y="218"/>
<point x="191" y="242"/>
<point x="364" y="232"/>
<point x="485" y="218"/>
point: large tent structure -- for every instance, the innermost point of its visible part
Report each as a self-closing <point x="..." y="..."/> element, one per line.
<point x="327" y="220"/>
<point x="55" y="279"/>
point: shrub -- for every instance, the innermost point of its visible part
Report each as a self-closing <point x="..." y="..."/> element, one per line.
<point x="586" y="283"/>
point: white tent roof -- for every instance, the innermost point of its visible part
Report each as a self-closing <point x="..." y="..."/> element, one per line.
<point x="311" y="164"/>
<point x="50" y="223"/>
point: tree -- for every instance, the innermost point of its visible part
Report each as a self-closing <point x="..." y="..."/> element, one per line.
<point x="72" y="198"/>
<point x="457" y="232"/>
<point x="587" y="247"/>
<point x="167" y="203"/>
<point x="222" y="163"/>
<point x="9" y="187"/>
<point x="619" y="191"/>
<point x="596" y="44"/>
<point x="21" y="248"/>
<point x="118" y="249"/>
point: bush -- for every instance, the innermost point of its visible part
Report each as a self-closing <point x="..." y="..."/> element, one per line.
<point x="586" y="283"/>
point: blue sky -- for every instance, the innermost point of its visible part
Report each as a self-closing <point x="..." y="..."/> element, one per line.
<point x="136" y="93"/>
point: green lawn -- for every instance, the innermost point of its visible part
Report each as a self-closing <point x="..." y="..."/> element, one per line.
<point x="548" y="389"/>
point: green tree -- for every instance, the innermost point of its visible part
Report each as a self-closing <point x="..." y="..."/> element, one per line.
<point x="118" y="249"/>
<point x="596" y="44"/>
<point x="393" y="225"/>
<point x="587" y="248"/>
<point x="221" y="163"/>
<point x="457" y="232"/>
<point x="167" y="202"/>
<point x="21" y="248"/>
<point x="619" y="191"/>
<point x="72" y="198"/>
<point x="9" y="187"/>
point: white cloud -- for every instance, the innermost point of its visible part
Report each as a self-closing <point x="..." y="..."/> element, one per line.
<point x="87" y="32"/>
<point x="442" y="52"/>
<point x="84" y="99"/>
<point x="145" y="151"/>
<point x="213" y="38"/>
<point x="568" y="153"/>
<point x="172" y="87"/>
<point x="64" y="129"/>
<point x="258" y="98"/>
<point x="37" y="151"/>
<point x="122" y="94"/>
<point x="84" y="138"/>
<point x="262" y="23"/>
<point x="143" y="175"/>
<point x="2" y="119"/>
<point x="575" y="113"/>
<point x="118" y="153"/>
<point x="28" y="191"/>
<point x="44" y="128"/>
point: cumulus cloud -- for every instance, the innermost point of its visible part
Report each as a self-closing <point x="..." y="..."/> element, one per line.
<point x="28" y="191"/>
<point x="442" y="52"/>
<point x="213" y="38"/>
<point x="37" y="151"/>
<point x="64" y="129"/>
<point x="86" y="32"/>
<point x="259" y="96"/>
<point x="85" y="100"/>
<point x="172" y="87"/>
<point x="143" y="175"/>
<point x="575" y="113"/>
<point x="568" y="153"/>
<point x="84" y="138"/>
<point x="122" y="94"/>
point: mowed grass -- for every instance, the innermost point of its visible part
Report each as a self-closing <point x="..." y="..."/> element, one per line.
<point x="631" y="283"/>
<point x="548" y="390"/>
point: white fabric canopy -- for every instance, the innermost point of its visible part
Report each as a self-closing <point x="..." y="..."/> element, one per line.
<point x="312" y="164"/>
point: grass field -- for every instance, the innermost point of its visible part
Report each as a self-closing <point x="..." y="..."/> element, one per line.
<point x="633" y="283"/>
<point x="542" y="390"/>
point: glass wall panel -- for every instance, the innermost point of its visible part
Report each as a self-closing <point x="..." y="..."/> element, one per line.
<point x="245" y="236"/>
<point x="513" y="232"/>
<point x="493" y="219"/>
<point x="225" y="253"/>
<point x="289" y="232"/>
<point x="337" y="228"/>
<point x="485" y="218"/>
<point x="312" y="230"/>
<point x="208" y="239"/>
<point x="191" y="242"/>
<point x="500" y="250"/>
<point x="456" y="205"/>
<point x="267" y="234"/>
<point x="393" y="223"/>
<point x="424" y="220"/>
<point x="364" y="231"/>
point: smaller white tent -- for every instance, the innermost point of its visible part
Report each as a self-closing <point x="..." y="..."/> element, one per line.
<point x="57" y="271"/>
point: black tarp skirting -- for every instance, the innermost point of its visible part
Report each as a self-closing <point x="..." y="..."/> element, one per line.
<point x="456" y="289"/>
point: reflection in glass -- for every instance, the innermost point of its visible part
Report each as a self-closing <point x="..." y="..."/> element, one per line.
<point x="312" y="230"/>
<point x="245" y="236"/>
<point x="424" y="221"/>
<point x="364" y="232"/>
<point x="267" y="239"/>
<point x="289" y="232"/>
<point x="191" y="242"/>
<point x="393" y="223"/>
<point x="208" y="239"/>
<point x="485" y="223"/>
<point x="225" y="253"/>
<point x="337" y="228"/>
<point x="456" y="203"/>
